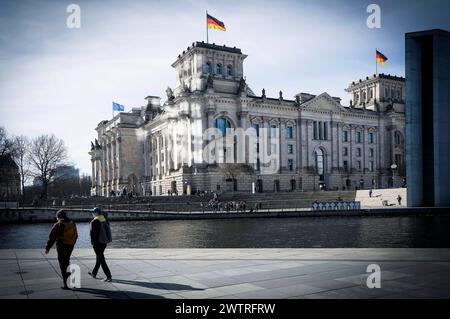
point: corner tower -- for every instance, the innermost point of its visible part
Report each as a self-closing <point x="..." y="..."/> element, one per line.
<point x="205" y="65"/>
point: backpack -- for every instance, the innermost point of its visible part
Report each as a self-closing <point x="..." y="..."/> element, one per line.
<point x="69" y="235"/>
<point x="104" y="236"/>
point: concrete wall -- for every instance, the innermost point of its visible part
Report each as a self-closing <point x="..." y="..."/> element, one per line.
<point x="428" y="118"/>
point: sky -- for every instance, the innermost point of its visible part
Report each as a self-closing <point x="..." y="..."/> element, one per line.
<point x="57" y="80"/>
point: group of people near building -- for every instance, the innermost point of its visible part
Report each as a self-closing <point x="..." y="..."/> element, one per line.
<point x="64" y="233"/>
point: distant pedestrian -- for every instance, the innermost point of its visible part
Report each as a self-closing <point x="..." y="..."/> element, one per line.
<point x="100" y="237"/>
<point x="370" y="193"/>
<point x="399" y="200"/>
<point x="64" y="233"/>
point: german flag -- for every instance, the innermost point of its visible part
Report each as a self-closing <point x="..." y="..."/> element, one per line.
<point x="381" y="58"/>
<point x="213" y="23"/>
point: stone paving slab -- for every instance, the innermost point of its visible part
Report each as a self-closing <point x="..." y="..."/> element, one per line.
<point x="231" y="274"/>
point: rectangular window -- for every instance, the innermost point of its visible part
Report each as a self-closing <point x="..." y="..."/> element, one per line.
<point x="346" y="165"/>
<point x="256" y="128"/>
<point x="325" y="131"/>
<point x="344" y="136"/>
<point x="273" y="131"/>
<point x="371" y="166"/>
<point x="257" y="147"/>
<point x="315" y="130"/>
<point x="370" y="152"/>
<point x="358" y="137"/>
<point x="358" y="152"/>
<point x="290" y="149"/>
<point x="289" y="132"/>
<point x="291" y="164"/>
<point x="371" y="138"/>
<point x="258" y="164"/>
<point x="358" y="165"/>
<point x="320" y="131"/>
<point x="345" y="151"/>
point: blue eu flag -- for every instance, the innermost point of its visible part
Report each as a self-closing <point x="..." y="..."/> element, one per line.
<point x="117" y="107"/>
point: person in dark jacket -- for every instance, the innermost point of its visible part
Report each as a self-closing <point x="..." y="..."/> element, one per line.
<point x="64" y="233"/>
<point x="99" y="225"/>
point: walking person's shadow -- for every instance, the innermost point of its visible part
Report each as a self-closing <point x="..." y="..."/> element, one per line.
<point x="119" y="294"/>
<point x="155" y="285"/>
<point x="125" y="294"/>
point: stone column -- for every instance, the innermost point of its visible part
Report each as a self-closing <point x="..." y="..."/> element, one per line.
<point x="364" y="128"/>
<point x="281" y="129"/>
<point x="298" y="144"/>
<point x="350" y="133"/>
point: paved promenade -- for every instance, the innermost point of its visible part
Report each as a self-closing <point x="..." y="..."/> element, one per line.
<point x="232" y="273"/>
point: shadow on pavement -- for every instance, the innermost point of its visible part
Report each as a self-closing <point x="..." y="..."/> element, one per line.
<point x="111" y="294"/>
<point x="155" y="285"/>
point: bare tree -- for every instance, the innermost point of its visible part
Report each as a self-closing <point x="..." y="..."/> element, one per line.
<point x="6" y="145"/>
<point x="20" y="154"/>
<point x="47" y="152"/>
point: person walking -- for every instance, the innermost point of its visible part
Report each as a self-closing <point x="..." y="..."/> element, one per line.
<point x="399" y="200"/>
<point x="370" y="193"/>
<point x="64" y="233"/>
<point x="100" y="237"/>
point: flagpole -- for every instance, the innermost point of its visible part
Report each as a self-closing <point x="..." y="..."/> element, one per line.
<point x="207" y="37"/>
<point x="376" y="62"/>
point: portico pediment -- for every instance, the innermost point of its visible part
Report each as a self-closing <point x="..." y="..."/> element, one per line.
<point x="323" y="102"/>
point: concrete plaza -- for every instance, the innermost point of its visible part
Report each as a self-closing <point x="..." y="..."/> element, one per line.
<point x="231" y="274"/>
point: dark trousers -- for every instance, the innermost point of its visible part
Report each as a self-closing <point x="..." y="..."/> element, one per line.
<point x="101" y="261"/>
<point x="64" y="252"/>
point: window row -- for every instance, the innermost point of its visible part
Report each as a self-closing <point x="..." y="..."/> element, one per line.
<point x="273" y="132"/>
<point x="218" y="69"/>
<point x="358" y="166"/>
<point x="358" y="137"/>
<point x="257" y="164"/>
<point x="358" y="152"/>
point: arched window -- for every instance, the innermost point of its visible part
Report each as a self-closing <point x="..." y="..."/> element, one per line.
<point x="319" y="163"/>
<point x="219" y="68"/>
<point x="223" y="124"/>
<point x="207" y="68"/>
<point x="398" y="138"/>
<point x="229" y="70"/>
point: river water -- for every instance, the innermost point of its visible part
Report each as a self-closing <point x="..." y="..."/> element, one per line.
<point x="327" y="232"/>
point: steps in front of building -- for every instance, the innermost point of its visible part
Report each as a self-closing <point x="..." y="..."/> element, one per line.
<point x="379" y="195"/>
<point x="192" y="203"/>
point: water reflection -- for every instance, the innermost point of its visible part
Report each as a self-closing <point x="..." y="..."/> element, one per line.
<point x="411" y="231"/>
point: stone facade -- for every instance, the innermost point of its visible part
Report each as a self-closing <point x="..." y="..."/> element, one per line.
<point x="313" y="140"/>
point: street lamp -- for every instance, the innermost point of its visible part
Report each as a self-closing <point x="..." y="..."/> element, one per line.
<point x="393" y="167"/>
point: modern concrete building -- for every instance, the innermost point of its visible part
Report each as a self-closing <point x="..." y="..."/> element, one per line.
<point x="428" y="118"/>
<point x="312" y="141"/>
